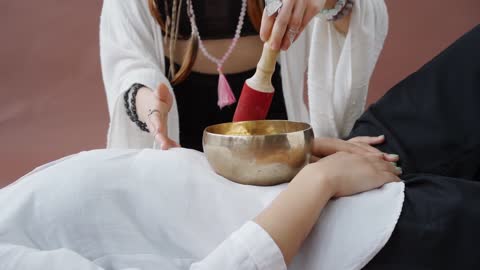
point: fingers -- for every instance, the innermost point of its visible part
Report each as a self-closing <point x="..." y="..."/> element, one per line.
<point x="280" y="26"/>
<point x="361" y="148"/>
<point x="165" y="142"/>
<point x="158" y="117"/>
<point x="328" y="146"/>
<point x="312" y="9"/>
<point x="266" y="26"/>
<point x="393" y="168"/>
<point x="369" y="140"/>
<point x="163" y="94"/>
<point x="375" y="157"/>
<point x="391" y="157"/>
<point x="295" y="24"/>
<point x="364" y="148"/>
<point x="365" y="142"/>
<point x="381" y="165"/>
<point x="389" y="177"/>
<point x="160" y="131"/>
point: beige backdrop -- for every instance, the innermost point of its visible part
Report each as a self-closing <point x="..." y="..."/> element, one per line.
<point x="51" y="95"/>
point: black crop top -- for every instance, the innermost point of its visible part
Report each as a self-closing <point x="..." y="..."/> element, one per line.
<point x="216" y="19"/>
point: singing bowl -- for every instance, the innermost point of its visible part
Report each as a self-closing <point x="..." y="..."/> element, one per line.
<point x="263" y="153"/>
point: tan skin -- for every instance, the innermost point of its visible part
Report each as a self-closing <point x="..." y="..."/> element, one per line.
<point x="313" y="187"/>
<point x="318" y="182"/>
<point x="248" y="50"/>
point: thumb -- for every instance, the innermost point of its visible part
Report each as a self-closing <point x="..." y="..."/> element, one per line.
<point x="165" y="98"/>
<point x="164" y="95"/>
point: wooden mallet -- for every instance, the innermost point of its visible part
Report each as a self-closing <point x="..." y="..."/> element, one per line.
<point x="257" y="92"/>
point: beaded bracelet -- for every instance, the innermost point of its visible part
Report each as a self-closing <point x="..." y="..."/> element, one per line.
<point x="131" y="106"/>
<point x="341" y="9"/>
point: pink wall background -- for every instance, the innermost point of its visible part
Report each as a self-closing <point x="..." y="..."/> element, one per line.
<point x="51" y="94"/>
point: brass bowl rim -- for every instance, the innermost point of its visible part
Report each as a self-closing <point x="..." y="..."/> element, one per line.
<point x="206" y="130"/>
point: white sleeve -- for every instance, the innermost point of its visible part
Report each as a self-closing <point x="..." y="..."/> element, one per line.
<point x="131" y="52"/>
<point x="340" y="67"/>
<point x="249" y="248"/>
<point x="13" y="257"/>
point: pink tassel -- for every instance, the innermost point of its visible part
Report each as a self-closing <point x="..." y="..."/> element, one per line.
<point x="225" y="94"/>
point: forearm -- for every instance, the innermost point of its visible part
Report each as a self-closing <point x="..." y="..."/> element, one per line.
<point x="291" y="216"/>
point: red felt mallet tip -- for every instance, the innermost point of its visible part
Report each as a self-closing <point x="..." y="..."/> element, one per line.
<point x="257" y="92"/>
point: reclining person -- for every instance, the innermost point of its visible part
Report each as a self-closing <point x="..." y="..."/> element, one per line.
<point x="120" y="209"/>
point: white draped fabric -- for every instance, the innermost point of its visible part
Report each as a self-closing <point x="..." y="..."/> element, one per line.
<point x="150" y="209"/>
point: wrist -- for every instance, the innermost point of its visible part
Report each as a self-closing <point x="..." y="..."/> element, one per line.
<point x="314" y="177"/>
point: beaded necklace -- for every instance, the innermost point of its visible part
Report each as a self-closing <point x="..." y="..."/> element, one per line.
<point x="225" y="94"/>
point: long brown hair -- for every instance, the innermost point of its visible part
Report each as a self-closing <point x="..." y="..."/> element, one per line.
<point x="170" y="30"/>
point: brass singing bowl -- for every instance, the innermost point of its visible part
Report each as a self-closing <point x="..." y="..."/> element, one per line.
<point x="264" y="153"/>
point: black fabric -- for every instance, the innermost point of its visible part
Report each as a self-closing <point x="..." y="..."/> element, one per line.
<point x="197" y="103"/>
<point x="432" y="120"/>
<point x="215" y="19"/>
<point x="438" y="226"/>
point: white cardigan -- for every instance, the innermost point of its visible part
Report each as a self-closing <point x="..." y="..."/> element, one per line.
<point x="338" y="75"/>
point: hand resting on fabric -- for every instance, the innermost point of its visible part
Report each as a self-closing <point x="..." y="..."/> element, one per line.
<point x="323" y="147"/>
<point x="311" y="189"/>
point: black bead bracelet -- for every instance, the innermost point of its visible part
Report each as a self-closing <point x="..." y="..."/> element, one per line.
<point x="131" y="106"/>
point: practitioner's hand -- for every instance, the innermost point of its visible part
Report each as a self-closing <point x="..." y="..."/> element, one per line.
<point x="363" y="173"/>
<point x="359" y="145"/>
<point x="153" y="108"/>
<point x="284" y="28"/>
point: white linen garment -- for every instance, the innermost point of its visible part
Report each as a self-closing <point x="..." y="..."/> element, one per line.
<point x="339" y="68"/>
<point x="151" y="210"/>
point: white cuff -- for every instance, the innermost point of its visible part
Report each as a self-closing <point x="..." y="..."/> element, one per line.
<point x="260" y="246"/>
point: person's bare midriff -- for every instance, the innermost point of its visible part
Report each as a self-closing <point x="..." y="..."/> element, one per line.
<point x="244" y="57"/>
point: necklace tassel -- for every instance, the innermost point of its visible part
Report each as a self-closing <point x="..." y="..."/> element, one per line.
<point x="225" y="93"/>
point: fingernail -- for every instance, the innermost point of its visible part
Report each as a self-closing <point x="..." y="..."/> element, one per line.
<point x="381" y="136"/>
<point x="393" y="156"/>
<point x="394" y="164"/>
<point x="400" y="171"/>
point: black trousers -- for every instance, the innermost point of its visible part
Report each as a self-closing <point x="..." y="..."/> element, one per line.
<point x="432" y="120"/>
